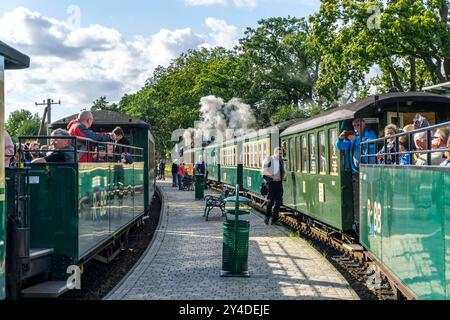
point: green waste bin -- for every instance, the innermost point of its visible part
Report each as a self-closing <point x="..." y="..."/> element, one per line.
<point x="199" y="187"/>
<point x="235" y="248"/>
<point x="235" y="240"/>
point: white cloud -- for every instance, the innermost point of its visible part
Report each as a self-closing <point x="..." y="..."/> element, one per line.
<point x="246" y="3"/>
<point x="237" y="3"/>
<point x="205" y="2"/>
<point x="225" y="35"/>
<point x="78" y="65"/>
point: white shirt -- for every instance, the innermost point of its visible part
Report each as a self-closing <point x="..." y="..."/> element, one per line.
<point x="274" y="169"/>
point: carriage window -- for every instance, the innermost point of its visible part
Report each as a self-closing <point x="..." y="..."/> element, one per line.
<point x="291" y="154"/>
<point x="265" y="155"/>
<point x="252" y="155"/>
<point x="259" y="154"/>
<point x="297" y="154"/>
<point x="322" y="154"/>
<point x="255" y="155"/>
<point x="334" y="169"/>
<point x="304" y="154"/>
<point x="245" y="155"/>
<point x="312" y="154"/>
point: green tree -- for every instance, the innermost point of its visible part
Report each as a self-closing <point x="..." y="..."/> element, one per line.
<point x="22" y="123"/>
<point x="282" y="65"/>
<point x="409" y="40"/>
<point x="102" y="104"/>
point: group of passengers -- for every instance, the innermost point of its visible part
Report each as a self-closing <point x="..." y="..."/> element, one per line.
<point x="26" y="153"/>
<point x="63" y="150"/>
<point x="416" y="144"/>
<point x="411" y="149"/>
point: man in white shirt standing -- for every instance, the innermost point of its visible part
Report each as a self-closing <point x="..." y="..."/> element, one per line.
<point x="274" y="173"/>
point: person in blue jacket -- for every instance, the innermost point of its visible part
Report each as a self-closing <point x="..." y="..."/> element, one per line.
<point x="350" y="142"/>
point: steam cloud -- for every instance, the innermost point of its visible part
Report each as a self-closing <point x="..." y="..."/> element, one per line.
<point x="224" y="120"/>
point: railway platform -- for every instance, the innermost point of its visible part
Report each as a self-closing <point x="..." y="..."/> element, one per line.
<point x="184" y="261"/>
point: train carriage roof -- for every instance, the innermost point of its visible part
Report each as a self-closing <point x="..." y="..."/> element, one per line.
<point x="363" y="108"/>
<point x="105" y="118"/>
<point x="13" y="58"/>
<point x="443" y="88"/>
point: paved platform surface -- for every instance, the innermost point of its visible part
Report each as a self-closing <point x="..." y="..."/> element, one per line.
<point x="185" y="259"/>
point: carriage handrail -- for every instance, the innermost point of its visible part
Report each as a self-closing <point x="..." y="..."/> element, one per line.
<point x="78" y="138"/>
<point x="137" y="151"/>
<point x="410" y="134"/>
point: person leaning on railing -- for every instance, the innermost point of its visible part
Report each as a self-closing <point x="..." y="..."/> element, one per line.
<point x="439" y="141"/>
<point x="121" y="153"/>
<point x="62" y="152"/>
<point x="446" y="163"/>
<point x="80" y="128"/>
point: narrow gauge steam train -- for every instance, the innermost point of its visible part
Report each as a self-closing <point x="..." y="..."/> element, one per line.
<point x="410" y="246"/>
<point x="61" y="215"/>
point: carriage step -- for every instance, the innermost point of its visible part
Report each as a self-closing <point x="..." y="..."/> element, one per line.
<point x="40" y="261"/>
<point x="40" y="253"/>
<point x="49" y="289"/>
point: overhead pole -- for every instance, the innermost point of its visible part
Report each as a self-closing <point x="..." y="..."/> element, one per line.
<point x="48" y="113"/>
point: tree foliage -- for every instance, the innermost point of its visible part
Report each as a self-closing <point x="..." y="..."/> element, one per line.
<point x="407" y="39"/>
<point x="22" y="123"/>
<point x="102" y="104"/>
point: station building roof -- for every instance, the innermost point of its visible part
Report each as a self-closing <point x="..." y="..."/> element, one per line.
<point x="13" y="58"/>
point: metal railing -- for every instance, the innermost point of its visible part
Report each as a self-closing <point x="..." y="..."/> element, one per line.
<point x="85" y="150"/>
<point x="394" y="158"/>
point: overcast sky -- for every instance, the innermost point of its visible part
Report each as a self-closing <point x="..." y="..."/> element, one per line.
<point x="81" y="50"/>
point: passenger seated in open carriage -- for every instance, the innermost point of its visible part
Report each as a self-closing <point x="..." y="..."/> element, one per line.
<point x="439" y="141"/>
<point x="62" y="149"/>
<point x="389" y="147"/>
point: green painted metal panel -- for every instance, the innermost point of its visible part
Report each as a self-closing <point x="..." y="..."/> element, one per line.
<point x="252" y="180"/>
<point x="446" y="192"/>
<point x="94" y="181"/>
<point x="53" y="218"/>
<point x="213" y="173"/>
<point x="139" y="188"/>
<point x="212" y="160"/>
<point x="232" y="175"/>
<point x="403" y="224"/>
<point x="228" y="175"/>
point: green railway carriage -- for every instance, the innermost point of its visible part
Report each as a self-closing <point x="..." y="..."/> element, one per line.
<point x="9" y="59"/>
<point x="405" y="215"/>
<point x="212" y="159"/>
<point x="79" y="211"/>
<point x="231" y="173"/>
<point x="319" y="182"/>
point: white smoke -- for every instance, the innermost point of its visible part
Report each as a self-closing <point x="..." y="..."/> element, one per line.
<point x="224" y="120"/>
